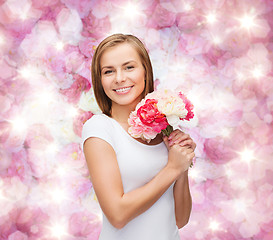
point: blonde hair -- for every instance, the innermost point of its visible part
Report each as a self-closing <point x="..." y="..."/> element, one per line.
<point x="103" y="100"/>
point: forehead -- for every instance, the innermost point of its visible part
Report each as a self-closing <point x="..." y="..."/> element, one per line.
<point x="119" y="54"/>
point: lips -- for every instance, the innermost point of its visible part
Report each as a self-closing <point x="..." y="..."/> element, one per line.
<point x="123" y="90"/>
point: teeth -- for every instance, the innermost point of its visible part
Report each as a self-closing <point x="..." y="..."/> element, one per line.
<point x="123" y="89"/>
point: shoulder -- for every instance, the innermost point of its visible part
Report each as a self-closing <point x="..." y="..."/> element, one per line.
<point x="98" y="126"/>
<point x="98" y="119"/>
<point x="97" y="122"/>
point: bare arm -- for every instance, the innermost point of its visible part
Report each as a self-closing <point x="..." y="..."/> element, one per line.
<point x="120" y="207"/>
<point x="183" y="202"/>
<point x="182" y="196"/>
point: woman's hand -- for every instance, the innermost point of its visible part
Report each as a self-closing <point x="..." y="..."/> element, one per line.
<point x="181" y="138"/>
<point x="181" y="150"/>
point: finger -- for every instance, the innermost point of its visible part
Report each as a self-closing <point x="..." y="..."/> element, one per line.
<point x="166" y="141"/>
<point x="180" y="138"/>
<point x="192" y="155"/>
<point x="189" y="150"/>
<point x="173" y="134"/>
<point x="186" y="142"/>
<point x="194" y="145"/>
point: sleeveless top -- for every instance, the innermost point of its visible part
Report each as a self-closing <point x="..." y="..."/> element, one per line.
<point x="138" y="164"/>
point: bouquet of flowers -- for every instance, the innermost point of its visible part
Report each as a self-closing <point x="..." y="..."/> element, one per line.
<point x="159" y="112"/>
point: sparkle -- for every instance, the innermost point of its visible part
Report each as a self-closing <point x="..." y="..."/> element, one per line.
<point x="52" y="148"/>
<point x="58" y="195"/>
<point x="45" y="97"/>
<point x="216" y="40"/>
<point x="193" y="173"/>
<point x="247" y="155"/>
<point x="214" y="225"/>
<point x="211" y="18"/>
<point x="247" y="21"/>
<point x="19" y="124"/>
<point x="187" y="7"/>
<point x="1" y="194"/>
<point x="59" y="45"/>
<point x="257" y="72"/>
<point x="73" y="112"/>
<point x="131" y="10"/>
<point x="26" y="71"/>
<point x="2" y="40"/>
<point x="61" y="170"/>
<point x="23" y="16"/>
<point x="58" y="230"/>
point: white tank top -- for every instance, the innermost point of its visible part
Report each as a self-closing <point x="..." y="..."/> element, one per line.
<point x="138" y="164"/>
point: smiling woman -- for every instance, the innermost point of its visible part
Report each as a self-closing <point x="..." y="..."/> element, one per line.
<point x="142" y="187"/>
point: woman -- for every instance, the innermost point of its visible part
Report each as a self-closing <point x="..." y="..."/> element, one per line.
<point x="142" y="188"/>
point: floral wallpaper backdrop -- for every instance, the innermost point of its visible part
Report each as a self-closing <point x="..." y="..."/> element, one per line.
<point x="219" y="52"/>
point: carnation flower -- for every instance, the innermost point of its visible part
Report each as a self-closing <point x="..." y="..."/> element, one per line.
<point x="150" y="116"/>
<point x="159" y="112"/>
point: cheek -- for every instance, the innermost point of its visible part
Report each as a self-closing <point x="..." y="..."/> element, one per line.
<point x="141" y="77"/>
<point x="105" y="83"/>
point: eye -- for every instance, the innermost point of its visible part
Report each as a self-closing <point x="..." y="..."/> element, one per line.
<point x="108" y="72"/>
<point x="129" y="67"/>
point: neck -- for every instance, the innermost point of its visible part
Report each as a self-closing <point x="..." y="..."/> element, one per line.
<point x="121" y="113"/>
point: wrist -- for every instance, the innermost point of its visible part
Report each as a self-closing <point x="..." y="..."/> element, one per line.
<point x="176" y="172"/>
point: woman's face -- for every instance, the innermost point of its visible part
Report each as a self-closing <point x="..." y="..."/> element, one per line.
<point x="122" y="75"/>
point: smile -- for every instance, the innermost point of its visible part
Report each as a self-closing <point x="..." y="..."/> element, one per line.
<point x="123" y="90"/>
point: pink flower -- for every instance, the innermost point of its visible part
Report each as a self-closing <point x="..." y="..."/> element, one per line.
<point x="38" y="137"/>
<point x="72" y="156"/>
<point x="55" y="61"/>
<point x="83" y="7"/>
<point x="74" y="92"/>
<point x="187" y="21"/>
<point x="9" y="138"/>
<point x="188" y="106"/>
<point x="83" y="224"/>
<point x="73" y="59"/>
<point x="81" y="118"/>
<point x="96" y="27"/>
<point x="159" y="111"/>
<point x="139" y="130"/>
<point x="162" y="17"/>
<point x="88" y="47"/>
<point x="18" y="166"/>
<point x="18" y="236"/>
<point x="219" y="150"/>
<point x="195" y="44"/>
<point x="150" y="116"/>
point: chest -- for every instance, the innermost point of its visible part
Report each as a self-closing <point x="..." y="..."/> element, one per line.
<point x="138" y="163"/>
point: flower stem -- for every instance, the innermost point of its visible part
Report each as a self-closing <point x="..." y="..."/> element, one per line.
<point x="167" y="131"/>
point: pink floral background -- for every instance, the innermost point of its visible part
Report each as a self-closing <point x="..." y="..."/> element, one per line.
<point x="219" y="52"/>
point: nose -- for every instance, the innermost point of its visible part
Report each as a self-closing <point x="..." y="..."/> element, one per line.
<point x="120" y="76"/>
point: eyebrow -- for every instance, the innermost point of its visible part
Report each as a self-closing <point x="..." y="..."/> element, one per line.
<point x="122" y="64"/>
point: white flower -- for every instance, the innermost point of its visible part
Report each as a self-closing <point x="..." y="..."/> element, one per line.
<point x="173" y="120"/>
<point x="88" y="102"/>
<point x="171" y="104"/>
